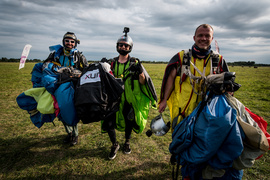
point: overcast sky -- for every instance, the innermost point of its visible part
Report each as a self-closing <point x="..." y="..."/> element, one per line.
<point x="159" y="28"/>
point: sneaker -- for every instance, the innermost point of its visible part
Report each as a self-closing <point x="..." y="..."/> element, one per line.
<point x="68" y="138"/>
<point x="127" y="149"/>
<point x="114" y="150"/>
<point x="74" y="140"/>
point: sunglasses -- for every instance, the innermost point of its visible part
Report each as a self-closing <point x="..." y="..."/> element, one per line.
<point x="71" y="41"/>
<point x="123" y="44"/>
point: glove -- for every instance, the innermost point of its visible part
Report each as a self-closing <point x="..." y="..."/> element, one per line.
<point x="136" y="68"/>
<point x="140" y="69"/>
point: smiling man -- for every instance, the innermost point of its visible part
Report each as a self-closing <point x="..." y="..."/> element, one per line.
<point x="183" y="89"/>
<point x="68" y="56"/>
<point x="199" y="61"/>
<point x="203" y="37"/>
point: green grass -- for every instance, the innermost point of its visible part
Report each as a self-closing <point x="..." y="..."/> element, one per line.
<point x="27" y="152"/>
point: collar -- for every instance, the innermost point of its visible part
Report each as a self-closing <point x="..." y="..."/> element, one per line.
<point x="196" y="51"/>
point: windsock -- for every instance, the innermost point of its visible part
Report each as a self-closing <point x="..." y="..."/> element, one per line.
<point x="24" y="55"/>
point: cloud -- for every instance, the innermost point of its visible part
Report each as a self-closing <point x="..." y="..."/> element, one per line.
<point x="158" y="28"/>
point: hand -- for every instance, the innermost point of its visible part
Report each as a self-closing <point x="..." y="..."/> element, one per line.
<point x="136" y="68"/>
<point x="139" y="68"/>
<point x="162" y="106"/>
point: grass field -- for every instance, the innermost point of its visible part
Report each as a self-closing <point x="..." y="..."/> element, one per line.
<point x="27" y="152"/>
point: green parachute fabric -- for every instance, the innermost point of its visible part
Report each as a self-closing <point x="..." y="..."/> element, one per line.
<point x="140" y="98"/>
<point x="44" y="99"/>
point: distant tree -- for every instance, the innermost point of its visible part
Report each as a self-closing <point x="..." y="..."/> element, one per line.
<point x="4" y="59"/>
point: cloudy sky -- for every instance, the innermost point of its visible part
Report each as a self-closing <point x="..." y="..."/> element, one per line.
<point x="159" y="28"/>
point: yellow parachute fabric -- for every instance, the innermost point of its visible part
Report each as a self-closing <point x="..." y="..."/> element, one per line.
<point x="43" y="98"/>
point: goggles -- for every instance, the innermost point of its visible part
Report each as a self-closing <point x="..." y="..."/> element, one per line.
<point x="122" y="44"/>
<point x="71" y="41"/>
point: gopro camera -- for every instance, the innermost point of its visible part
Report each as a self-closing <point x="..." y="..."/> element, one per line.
<point x="126" y="30"/>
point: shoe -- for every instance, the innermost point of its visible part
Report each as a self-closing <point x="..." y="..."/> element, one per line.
<point x="74" y="140"/>
<point x="127" y="149"/>
<point x="68" y="138"/>
<point x="114" y="150"/>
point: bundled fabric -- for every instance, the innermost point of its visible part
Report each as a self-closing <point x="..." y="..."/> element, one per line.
<point x="220" y="83"/>
<point x="255" y="143"/>
<point x="64" y="95"/>
<point x="261" y="123"/>
<point x="142" y="97"/>
<point x="183" y="133"/>
<point x="37" y="75"/>
<point x="97" y="94"/>
<point x="212" y="139"/>
<point x="37" y="101"/>
<point x="39" y="104"/>
<point x="50" y="82"/>
<point x="51" y="96"/>
<point x="50" y="77"/>
<point x="138" y="95"/>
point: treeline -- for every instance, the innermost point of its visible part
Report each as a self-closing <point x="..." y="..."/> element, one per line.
<point x="246" y="63"/>
<point x="18" y="60"/>
<point x="238" y="63"/>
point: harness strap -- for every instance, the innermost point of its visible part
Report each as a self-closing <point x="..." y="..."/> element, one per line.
<point x="126" y="70"/>
<point x="175" y="174"/>
<point x="184" y="71"/>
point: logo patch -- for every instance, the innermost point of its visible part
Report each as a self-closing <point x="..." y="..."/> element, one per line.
<point x="90" y="77"/>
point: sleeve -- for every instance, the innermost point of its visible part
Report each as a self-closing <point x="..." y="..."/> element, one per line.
<point x="84" y="60"/>
<point x="173" y="63"/>
<point x="50" y="58"/>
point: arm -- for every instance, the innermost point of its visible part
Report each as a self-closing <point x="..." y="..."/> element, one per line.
<point x="139" y="71"/>
<point x="168" y="89"/>
<point x="50" y="58"/>
<point x="142" y="78"/>
<point x="84" y="61"/>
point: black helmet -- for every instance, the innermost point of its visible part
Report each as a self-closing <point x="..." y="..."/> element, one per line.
<point x="126" y="39"/>
<point x="71" y="35"/>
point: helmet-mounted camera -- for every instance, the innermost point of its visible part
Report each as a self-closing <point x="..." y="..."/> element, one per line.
<point x="127" y="39"/>
<point x="126" y="30"/>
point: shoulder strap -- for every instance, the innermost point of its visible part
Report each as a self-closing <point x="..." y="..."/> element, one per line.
<point x="184" y="64"/>
<point x="186" y="57"/>
<point x="79" y="60"/>
<point x="113" y="62"/>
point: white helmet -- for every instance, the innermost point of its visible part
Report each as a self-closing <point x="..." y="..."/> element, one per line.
<point x="158" y="126"/>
